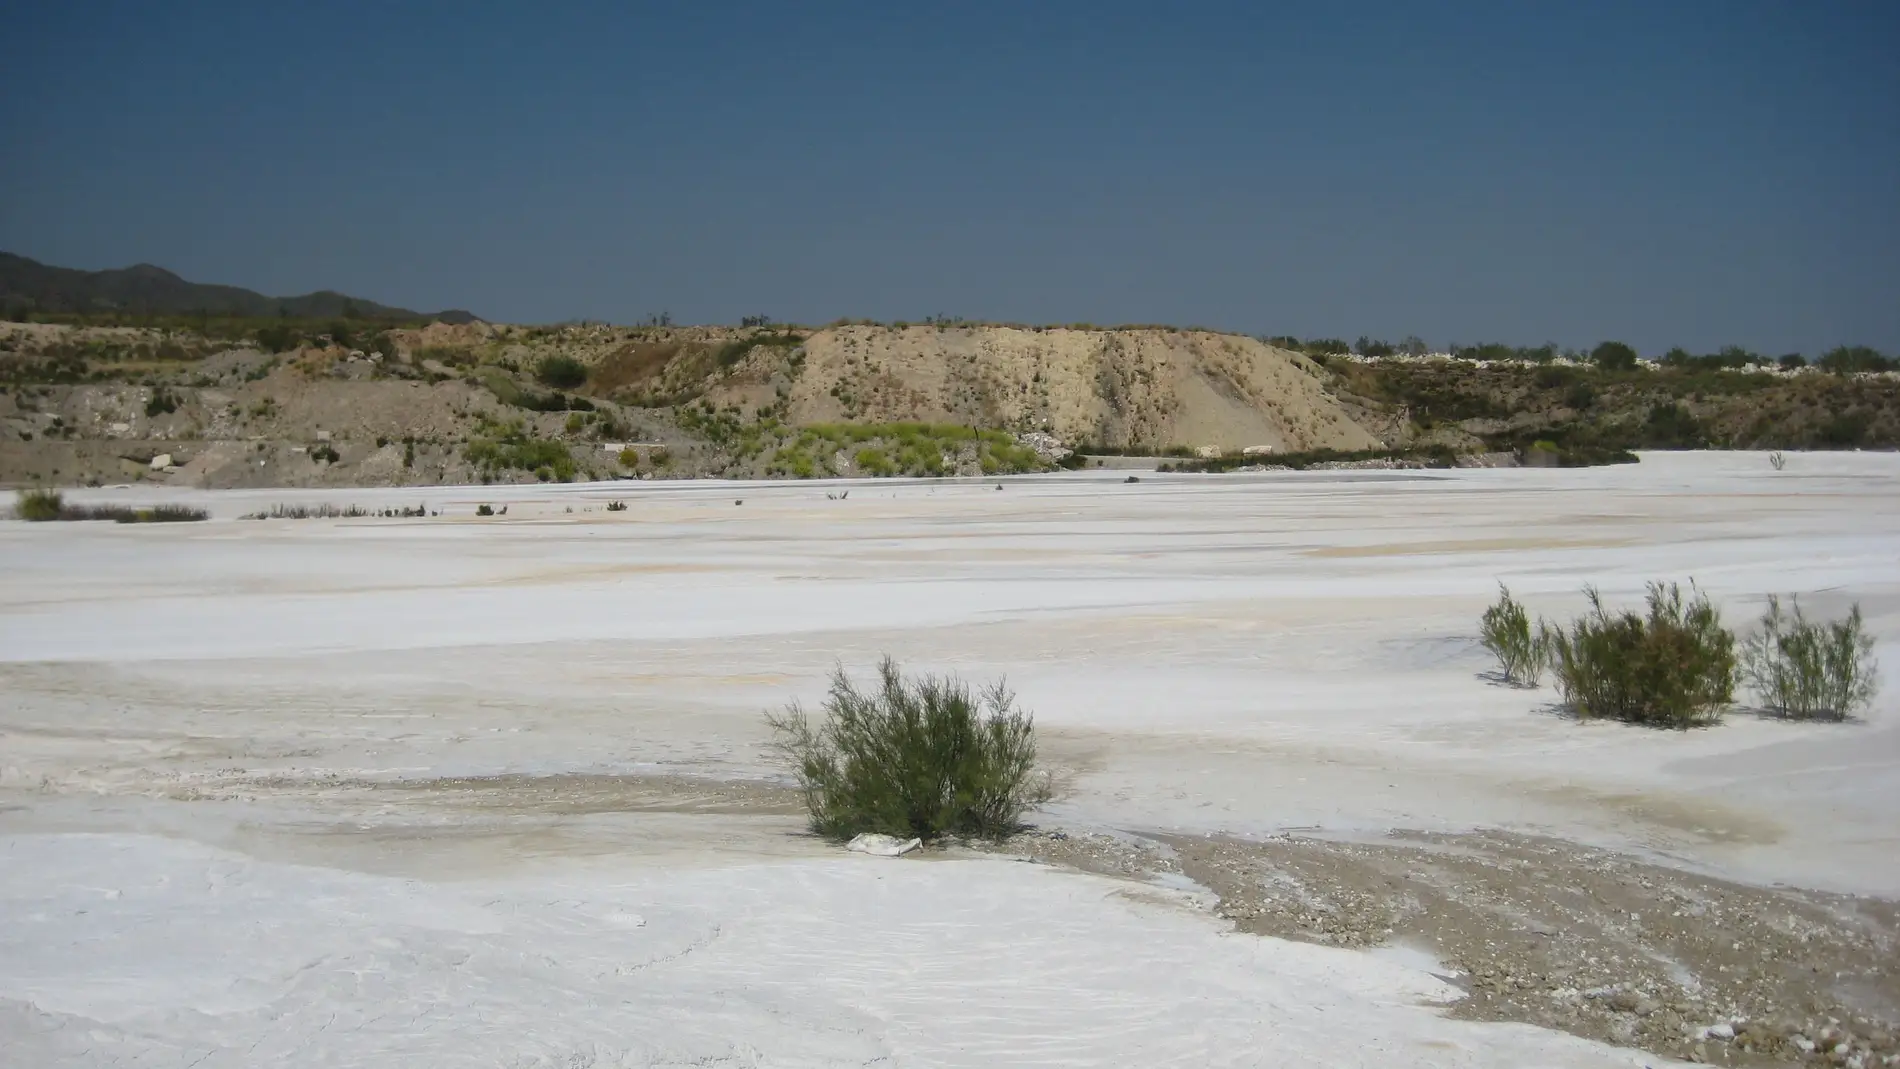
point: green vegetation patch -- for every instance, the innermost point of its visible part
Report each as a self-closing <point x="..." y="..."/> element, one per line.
<point x="507" y="447"/>
<point x="881" y="449"/>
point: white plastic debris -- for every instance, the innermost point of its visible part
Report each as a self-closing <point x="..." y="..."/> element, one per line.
<point x="883" y="845"/>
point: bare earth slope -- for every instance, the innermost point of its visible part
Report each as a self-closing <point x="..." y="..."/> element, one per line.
<point x="1120" y="388"/>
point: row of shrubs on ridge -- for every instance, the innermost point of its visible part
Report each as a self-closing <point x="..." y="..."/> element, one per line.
<point x="1676" y="665"/>
<point x="42" y="506"/>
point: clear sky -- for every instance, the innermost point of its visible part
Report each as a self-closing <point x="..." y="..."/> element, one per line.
<point x="1668" y="172"/>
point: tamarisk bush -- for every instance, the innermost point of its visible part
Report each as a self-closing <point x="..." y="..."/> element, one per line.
<point x="1809" y="671"/>
<point x="920" y="757"/>
<point x="1505" y="630"/>
<point x="1672" y="667"/>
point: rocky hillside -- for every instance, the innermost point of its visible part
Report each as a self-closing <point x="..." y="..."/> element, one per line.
<point x="1477" y="406"/>
<point x="466" y="402"/>
<point x="355" y="403"/>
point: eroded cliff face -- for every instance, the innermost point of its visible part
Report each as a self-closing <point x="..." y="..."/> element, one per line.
<point x="1119" y="388"/>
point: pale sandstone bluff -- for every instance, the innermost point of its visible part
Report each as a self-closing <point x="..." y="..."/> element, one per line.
<point x="1117" y="388"/>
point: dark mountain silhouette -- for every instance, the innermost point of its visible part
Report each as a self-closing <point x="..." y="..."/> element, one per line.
<point x="143" y="289"/>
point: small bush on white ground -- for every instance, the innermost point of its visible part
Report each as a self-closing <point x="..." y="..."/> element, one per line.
<point x="920" y="756"/>
<point x="1809" y="671"/>
<point x="1674" y="667"/>
<point x="39" y="505"/>
<point x="1506" y="632"/>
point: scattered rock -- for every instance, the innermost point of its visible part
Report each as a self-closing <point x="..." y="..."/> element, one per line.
<point x="1047" y="446"/>
<point x="882" y="845"/>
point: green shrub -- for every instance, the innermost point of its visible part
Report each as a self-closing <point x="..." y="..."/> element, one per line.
<point x="39" y="505"/>
<point x="561" y="372"/>
<point x="914" y="757"/>
<point x="160" y="402"/>
<point x="278" y="338"/>
<point x="1848" y="359"/>
<point x="1614" y="356"/>
<point x="161" y="514"/>
<point x="1809" y="671"/>
<point x="1506" y="632"/>
<point x="1673" y="668"/>
<point x="552" y="402"/>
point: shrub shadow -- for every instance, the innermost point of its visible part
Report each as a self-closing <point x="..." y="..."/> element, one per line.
<point x="1760" y="712"/>
<point x="1563" y="710"/>
<point x="1497" y="678"/>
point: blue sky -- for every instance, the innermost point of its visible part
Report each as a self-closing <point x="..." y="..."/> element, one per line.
<point x="1690" y="172"/>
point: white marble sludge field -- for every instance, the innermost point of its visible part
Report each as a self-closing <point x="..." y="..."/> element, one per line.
<point x="275" y="792"/>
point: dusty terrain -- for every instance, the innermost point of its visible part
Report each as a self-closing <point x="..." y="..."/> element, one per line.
<point x="91" y="406"/>
<point x="492" y="790"/>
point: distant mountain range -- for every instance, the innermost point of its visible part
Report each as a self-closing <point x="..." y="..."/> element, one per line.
<point x="143" y="289"/>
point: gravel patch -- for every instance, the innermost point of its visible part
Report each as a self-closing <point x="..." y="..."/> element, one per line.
<point x="1551" y="933"/>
